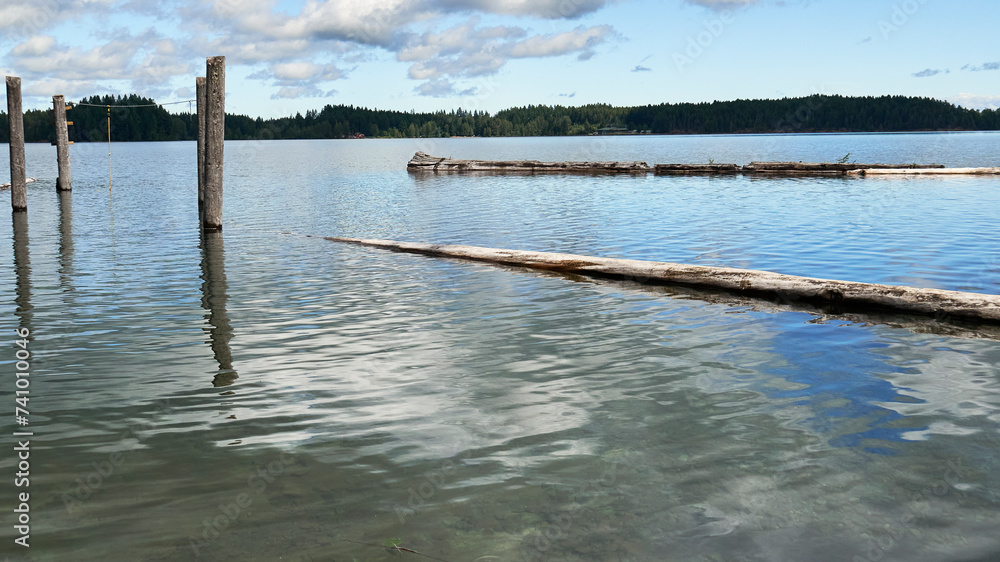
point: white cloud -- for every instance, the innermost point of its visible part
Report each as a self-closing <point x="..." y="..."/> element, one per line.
<point x="549" y="9"/>
<point x="26" y="18"/>
<point x="36" y="46"/>
<point x="110" y="61"/>
<point x="374" y="22"/>
<point x="240" y="51"/>
<point x="47" y="87"/>
<point x="467" y="51"/>
<point x="298" y="79"/>
<point x="985" y="66"/>
<point x="468" y="66"/>
<point x="306" y="91"/>
<point x="295" y="70"/>
<point x="576" y="41"/>
<point x="252" y="32"/>
<point x="165" y="47"/>
<point x="147" y="61"/>
<point x="300" y="51"/>
<point x="440" y="87"/>
<point x="456" y="40"/>
<point x="977" y="101"/>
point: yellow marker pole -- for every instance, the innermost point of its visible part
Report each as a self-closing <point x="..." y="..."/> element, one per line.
<point x="109" y="148"/>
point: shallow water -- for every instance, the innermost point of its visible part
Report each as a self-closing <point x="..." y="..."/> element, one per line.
<point x="264" y="394"/>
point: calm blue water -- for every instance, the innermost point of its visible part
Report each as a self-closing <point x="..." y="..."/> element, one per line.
<point x="264" y="395"/>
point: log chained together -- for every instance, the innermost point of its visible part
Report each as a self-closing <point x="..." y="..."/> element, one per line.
<point x="950" y="305"/>
<point x="422" y="162"/>
<point x="930" y="172"/>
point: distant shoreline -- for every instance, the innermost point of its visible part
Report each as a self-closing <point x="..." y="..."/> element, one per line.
<point x="812" y="114"/>
<point x="749" y="134"/>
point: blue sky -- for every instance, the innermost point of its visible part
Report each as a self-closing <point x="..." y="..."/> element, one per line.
<point x="287" y="56"/>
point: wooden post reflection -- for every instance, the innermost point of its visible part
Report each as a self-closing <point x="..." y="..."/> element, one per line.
<point x="65" y="238"/>
<point x="214" y="297"/>
<point x="22" y="269"/>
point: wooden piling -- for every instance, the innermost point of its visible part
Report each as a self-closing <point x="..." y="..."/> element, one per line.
<point x="841" y="295"/>
<point x="215" y="130"/>
<point x="64" y="181"/>
<point x="199" y="86"/>
<point x="15" y="117"/>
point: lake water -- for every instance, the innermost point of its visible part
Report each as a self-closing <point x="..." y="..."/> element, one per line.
<point x="263" y="394"/>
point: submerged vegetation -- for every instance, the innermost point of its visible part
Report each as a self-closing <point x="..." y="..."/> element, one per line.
<point x="789" y="115"/>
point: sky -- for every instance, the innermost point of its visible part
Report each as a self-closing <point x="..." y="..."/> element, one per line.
<point x="288" y="56"/>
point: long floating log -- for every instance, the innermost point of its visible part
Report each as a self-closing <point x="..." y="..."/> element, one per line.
<point x="846" y="295"/>
<point x="917" y="323"/>
<point x="7" y="185"/>
<point x="425" y="162"/>
<point x="822" y="167"/>
<point x="686" y="169"/>
<point x="928" y="171"/>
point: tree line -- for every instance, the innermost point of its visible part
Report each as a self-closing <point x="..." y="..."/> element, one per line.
<point x="816" y="113"/>
<point x="90" y="124"/>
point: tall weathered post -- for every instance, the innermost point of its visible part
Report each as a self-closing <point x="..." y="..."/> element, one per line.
<point x="215" y="130"/>
<point x="199" y="86"/>
<point x="64" y="182"/>
<point x="18" y="187"/>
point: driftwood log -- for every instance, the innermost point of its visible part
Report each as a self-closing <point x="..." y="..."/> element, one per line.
<point x="425" y="162"/>
<point x="7" y="185"/>
<point x="686" y="169"/>
<point x="422" y="162"/>
<point x="822" y="167"/>
<point x="840" y="295"/>
<point x="927" y="171"/>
